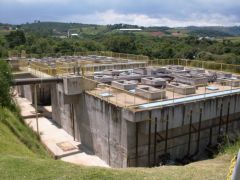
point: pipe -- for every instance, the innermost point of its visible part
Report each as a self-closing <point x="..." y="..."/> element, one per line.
<point x="190" y="134"/>
<point x="73" y="120"/>
<point x="210" y="136"/>
<point x="198" y="134"/>
<point x="228" y="111"/>
<point x="27" y="81"/>
<point x="220" y="120"/>
<point x="166" y="135"/>
<point x="182" y="135"/>
<point x="149" y="137"/>
<point x="155" y="141"/>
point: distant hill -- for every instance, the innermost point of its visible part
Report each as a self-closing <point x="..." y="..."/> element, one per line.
<point x="214" y="31"/>
<point x="62" y="29"/>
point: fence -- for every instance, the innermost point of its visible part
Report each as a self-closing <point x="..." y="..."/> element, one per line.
<point x="131" y="99"/>
<point x="88" y="53"/>
<point x="233" y="68"/>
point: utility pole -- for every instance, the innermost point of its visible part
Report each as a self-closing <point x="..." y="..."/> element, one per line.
<point x="36" y="107"/>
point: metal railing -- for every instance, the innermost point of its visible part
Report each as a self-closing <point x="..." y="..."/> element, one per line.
<point x="130" y="99"/>
<point x="233" y="68"/>
<point x="126" y="98"/>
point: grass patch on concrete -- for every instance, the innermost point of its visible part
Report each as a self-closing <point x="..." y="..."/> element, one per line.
<point x="23" y="157"/>
<point x="230" y="148"/>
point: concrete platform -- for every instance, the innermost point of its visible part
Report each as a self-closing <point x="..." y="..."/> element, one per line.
<point x="53" y="137"/>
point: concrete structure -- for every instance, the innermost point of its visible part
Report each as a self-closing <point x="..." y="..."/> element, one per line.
<point x="194" y="80"/>
<point x="197" y="71"/>
<point x="152" y="71"/>
<point x="156" y="82"/>
<point x="126" y="85"/>
<point x="103" y="78"/>
<point x="142" y="71"/>
<point x="181" y="88"/>
<point x="27" y="91"/>
<point x="147" y="126"/>
<point x="224" y="81"/>
<point x="150" y="93"/>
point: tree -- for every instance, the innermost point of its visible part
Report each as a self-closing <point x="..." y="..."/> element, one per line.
<point x="16" y="38"/>
<point x="5" y="80"/>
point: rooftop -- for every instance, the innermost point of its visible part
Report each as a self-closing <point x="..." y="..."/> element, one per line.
<point x="134" y="81"/>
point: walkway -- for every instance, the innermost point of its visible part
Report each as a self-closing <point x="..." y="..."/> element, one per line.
<point x="57" y="140"/>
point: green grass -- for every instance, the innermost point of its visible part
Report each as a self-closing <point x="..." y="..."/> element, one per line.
<point x="16" y="138"/>
<point x="23" y="157"/>
<point x="229" y="148"/>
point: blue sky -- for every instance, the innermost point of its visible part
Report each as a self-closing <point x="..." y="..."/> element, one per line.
<point x="141" y="12"/>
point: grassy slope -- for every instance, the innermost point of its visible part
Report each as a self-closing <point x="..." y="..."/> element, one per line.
<point x="17" y="161"/>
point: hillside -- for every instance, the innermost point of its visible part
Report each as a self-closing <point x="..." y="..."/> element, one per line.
<point x="18" y="161"/>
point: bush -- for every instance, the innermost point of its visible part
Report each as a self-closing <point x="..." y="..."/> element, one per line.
<point x="5" y="81"/>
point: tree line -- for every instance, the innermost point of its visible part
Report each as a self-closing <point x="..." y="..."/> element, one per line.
<point x="190" y="47"/>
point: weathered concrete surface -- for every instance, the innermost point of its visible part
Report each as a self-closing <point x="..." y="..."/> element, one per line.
<point x="43" y="93"/>
<point x="51" y="135"/>
<point x="74" y="85"/>
<point x="124" y="138"/>
<point x="97" y="124"/>
<point x="219" y="116"/>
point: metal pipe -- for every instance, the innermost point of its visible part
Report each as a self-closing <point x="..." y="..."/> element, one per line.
<point x="220" y="120"/>
<point x="228" y="112"/>
<point x="73" y="120"/>
<point x="149" y="137"/>
<point x="198" y="134"/>
<point x="155" y="141"/>
<point x="190" y="134"/>
<point x="28" y="81"/>
<point x="166" y="135"/>
<point x="199" y="130"/>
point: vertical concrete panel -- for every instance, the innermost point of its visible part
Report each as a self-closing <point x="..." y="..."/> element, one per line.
<point x="55" y="105"/>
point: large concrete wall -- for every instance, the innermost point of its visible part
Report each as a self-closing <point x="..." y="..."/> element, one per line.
<point x="180" y="142"/>
<point x="103" y="130"/>
<point x="64" y="109"/>
<point x="96" y="123"/>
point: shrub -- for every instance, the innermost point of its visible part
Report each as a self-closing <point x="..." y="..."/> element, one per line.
<point x="5" y="82"/>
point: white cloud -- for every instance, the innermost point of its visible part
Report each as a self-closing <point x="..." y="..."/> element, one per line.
<point x="31" y="2"/>
<point x="112" y="17"/>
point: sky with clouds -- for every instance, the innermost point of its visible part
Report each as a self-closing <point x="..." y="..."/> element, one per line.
<point x="140" y="12"/>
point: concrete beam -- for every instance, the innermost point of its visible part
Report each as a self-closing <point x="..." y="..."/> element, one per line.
<point x="28" y="81"/>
